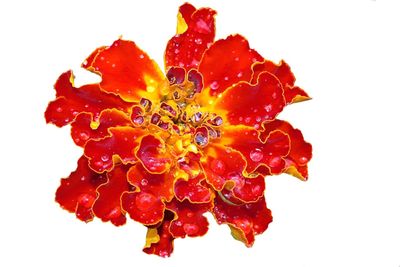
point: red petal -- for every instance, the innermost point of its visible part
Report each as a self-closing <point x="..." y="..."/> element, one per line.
<point x="224" y="168"/>
<point x="227" y="62"/>
<point x="193" y="189"/>
<point x="159" y="240"/>
<point x="147" y="205"/>
<point x="249" y="104"/>
<point x="300" y="151"/>
<point x="78" y="192"/>
<point x="283" y="73"/>
<point x="82" y="131"/>
<point x="71" y="101"/>
<point x="108" y="205"/>
<point x="153" y="155"/>
<point x="269" y="152"/>
<point x="245" y="221"/>
<point x="194" y="35"/>
<point x="121" y="142"/>
<point x="125" y="70"/>
<point x="189" y="219"/>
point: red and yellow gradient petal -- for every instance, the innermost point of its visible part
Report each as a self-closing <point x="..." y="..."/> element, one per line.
<point x="77" y="193"/>
<point x="195" y="33"/>
<point x="227" y="62"/>
<point x="119" y="145"/>
<point x="300" y="151"/>
<point x="189" y="218"/>
<point x="146" y="205"/>
<point x="284" y="74"/>
<point x="245" y="221"/>
<point x="71" y="101"/>
<point x="252" y="104"/>
<point x="84" y="128"/>
<point x="193" y="189"/>
<point x="258" y="152"/>
<point x="108" y="204"/>
<point x="153" y="154"/>
<point x="126" y="71"/>
<point x="159" y="240"/>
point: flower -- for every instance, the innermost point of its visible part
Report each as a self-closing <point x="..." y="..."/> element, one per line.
<point x="166" y="149"/>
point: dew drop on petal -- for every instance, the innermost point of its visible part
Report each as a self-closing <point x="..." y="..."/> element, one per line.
<point x="144" y="182"/>
<point x="303" y="160"/>
<point x="214" y="85"/>
<point x="190" y="229"/>
<point x="145" y="201"/>
<point x="105" y="157"/>
<point x="198" y="41"/>
<point x="217" y="166"/>
<point x="256" y="155"/>
<point x="59" y="109"/>
<point x="268" y="108"/>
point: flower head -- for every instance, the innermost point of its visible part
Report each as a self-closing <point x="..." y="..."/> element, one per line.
<point x="165" y="149"/>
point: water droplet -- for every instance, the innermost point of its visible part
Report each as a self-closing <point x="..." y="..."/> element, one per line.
<point x="59" y="109"/>
<point x="83" y="136"/>
<point x="268" y="108"/>
<point x="113" y="65"/>
<point x="198" y="41"/>
<point x="256" y="155"/>
<point x="237" y="178"/>
<point x="275" y="162"/>
<point x="145" y="201"/>
<point x="141" y="56"/>
<point x="247" y="120"/>
<point x="256" y="189"/>
<point x="214" y="85"/>
<point x="240" y="74"/>
<point x="274" y="95"/>
<point x="201" y="139"/>
<point x="226" y="78"/>
<point x="258" y="119"/>
<point x="105" y="157"/>
<point x="138" y="120"/>
<point x="144" y="182"/>
<point x="189" y="214"/>
<point x="244" y="224"/>
<point x="176" y="51"/>
<point x="236" y="58"/>
<point x="190" y="229"/>
<point x="217" y="166"/>
<point x="240" y="118"/>
<point x="303" y="160"/>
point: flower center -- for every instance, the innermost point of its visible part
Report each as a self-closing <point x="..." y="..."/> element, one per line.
<point x="183" y="121"/>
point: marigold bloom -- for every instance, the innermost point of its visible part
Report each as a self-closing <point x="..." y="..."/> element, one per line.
<point x="165" y="149"/>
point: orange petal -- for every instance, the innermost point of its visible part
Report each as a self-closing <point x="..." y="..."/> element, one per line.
<point x="78" y="192"/>
<point x="189" y="219"/>
<point x="284" y="74"/>
<point x="248" y="104"/>
<point x="120" y="143"/>
<point x="159" y="240"/>
<point x="227" y="62"/>
<point x="147" y="205"/>
<point x="153" y="155"/>
<point x="269" y="152"/>
<point x="195" y="33"/>
<point x="82" y="128"/>
<point x="71" y="101"/>
<point x="300" y="151"/>
<point x="126" y="70"/>
<point x="245" y="221"/>
<point x="108" y="205"/>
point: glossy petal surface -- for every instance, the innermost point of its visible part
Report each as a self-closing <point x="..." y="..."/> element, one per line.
<point x="189" y="219"/>
<point x="227" y="62"/>
<point x="251" y="105"/>
<point x="84" y="127"/>
<point x="71" y="101"/>
<point x="269" y="152"/>
<point x="152" y="153"/>
<point x="159" y="240"/>
<point x="245" y="221"/>
<point x="78" y="192"/>
<point x="300" y="151"/>
<point x="120" y="143"/>
<point x="125" y="70"/>
<point x="108" y="205"/>
<point x="196" y="32"/>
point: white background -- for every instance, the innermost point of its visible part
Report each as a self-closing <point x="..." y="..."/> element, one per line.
<point x="345" y="54"/>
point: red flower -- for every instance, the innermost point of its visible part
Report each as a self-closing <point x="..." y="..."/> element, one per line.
<point x="167" y="149"/>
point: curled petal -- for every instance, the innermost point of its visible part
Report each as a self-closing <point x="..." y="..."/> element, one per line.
<point x="248" y="104"/>
<point x="71" y="101"/>
<point x="125" y="70"/>
<point x="108" y="205"/>
<point x="147" y="204"/>
<point x="245" y="221"/>
<point x="193" y="189"/>
<point x="85" y="128"/>
<point x="120" y="143"/>
<point x="269" y="152"/>
<point x="195" y="33"/>
<point x="189" y="219"/>
<point x="227" y="62"/>
<point x="284" y="74"/>
<point x="159" y="240"/>
<point x="78" y="192"/>
<point x="224" y="168"/>
<point x="153" y="155"/>
<point x="300" y="151"/>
